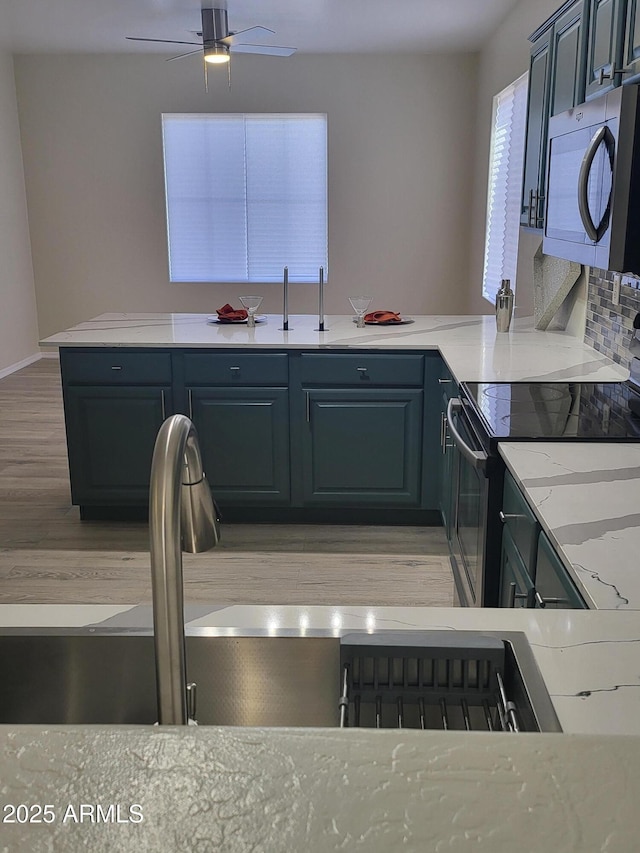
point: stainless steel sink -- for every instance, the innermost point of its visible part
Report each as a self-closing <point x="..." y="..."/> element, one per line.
<point x="107" y="676"/>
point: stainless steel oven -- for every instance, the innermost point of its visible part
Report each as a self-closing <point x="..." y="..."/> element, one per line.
<point x="470" y="506"/>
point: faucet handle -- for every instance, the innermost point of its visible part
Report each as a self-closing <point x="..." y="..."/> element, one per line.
<point x="191" y="702"/>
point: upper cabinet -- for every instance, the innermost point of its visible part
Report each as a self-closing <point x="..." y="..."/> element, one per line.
<point x="536" y="138"/>
<point x="631" y="57"/>
<point x="605" y="46"/>
<point x="556" y="83"/>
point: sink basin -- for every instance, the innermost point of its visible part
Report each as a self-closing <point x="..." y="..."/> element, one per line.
<point x="107" y="676"/>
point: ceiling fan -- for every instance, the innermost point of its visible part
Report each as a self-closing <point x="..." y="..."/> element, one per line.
<point x="218" y="42"/>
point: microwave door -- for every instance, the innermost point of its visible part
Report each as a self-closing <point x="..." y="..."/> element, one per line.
<point x="566" y="155"/>
<point x="595" y="183"/>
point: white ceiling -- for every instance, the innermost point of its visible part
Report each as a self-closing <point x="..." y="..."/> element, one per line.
<point x="313" y="26"/>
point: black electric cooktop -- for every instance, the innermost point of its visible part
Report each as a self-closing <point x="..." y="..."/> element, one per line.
<point x="526" y="411"/>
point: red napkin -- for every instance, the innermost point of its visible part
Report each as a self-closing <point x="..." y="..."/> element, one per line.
<point x="382" y="317"/>
<point x="228" y="314"/>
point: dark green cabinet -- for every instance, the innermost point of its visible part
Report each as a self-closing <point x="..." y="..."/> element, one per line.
<point x="296" y="435"/>
<point x="568" y="57"/>
<point x="111" y="433"/>
<point x="605" y="46"/>
<point x="516" y="585"/>
<point x="554" y="587"/>
<point x="536" y="133"/>
<point x="631" y="57"/>
<point x="362" y="447"/>
<point x="244" y="439"/>
<point x="531" y="573"/>
<point x="556" y="83"/>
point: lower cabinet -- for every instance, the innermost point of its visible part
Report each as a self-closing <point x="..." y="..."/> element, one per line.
<point x="111" y="433"/>
<point x="554" y="587"/>
<point x="312" y="432"/>
<point x="516" y="587"/>
<point x="362" y="447"/>
<point x="244" y="440"/>
<point x="531" y="573"/>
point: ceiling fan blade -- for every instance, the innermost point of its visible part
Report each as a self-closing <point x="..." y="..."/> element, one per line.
<point x="265" y="49"/>
<point x="181" y="55"/>
<point x="164" y="41"/>
<point x="252" y="33"/>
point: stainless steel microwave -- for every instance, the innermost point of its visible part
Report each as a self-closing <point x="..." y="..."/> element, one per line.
<point x="592" y="209"/>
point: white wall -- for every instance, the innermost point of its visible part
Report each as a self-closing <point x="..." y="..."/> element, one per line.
<point x="400" y="171"/>
<point x="505" y="56"/>
<point x="18" y="328"/>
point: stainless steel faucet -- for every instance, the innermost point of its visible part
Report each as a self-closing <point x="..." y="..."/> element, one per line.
<point x="181" y="516"/>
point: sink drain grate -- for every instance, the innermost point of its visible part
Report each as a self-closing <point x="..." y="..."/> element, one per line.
<point x="453" y="683"/>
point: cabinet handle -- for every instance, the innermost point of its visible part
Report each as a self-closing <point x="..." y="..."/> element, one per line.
<point x="514" y="596"/>
<point x="116" y="367"/>
<point x="234" y="368"/>
<point x="442" y="422"/>
<point x="612" y="73"/>
<point x="361" y="369"/>
<point x="530" y="222"/>
<point x="505" y="516"/>
<point x="445" y="381"/>
<point x="190" y="400"/>
<point x="308" y="406"/>
<point x="162" y="404"/>
<point x="542" y="602"/>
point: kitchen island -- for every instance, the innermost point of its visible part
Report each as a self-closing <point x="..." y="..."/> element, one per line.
<point x="324" y="403"/>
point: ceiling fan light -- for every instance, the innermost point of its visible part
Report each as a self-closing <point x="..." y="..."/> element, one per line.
<point x="216" y="55"/>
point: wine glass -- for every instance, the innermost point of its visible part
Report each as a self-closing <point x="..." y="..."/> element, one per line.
<point x="251" y="303"/>
<point x="360" y="305"/>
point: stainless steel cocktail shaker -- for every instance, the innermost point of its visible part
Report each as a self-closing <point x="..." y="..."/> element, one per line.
<point x="504" y="306"/>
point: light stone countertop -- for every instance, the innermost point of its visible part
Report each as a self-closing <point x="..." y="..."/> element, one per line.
<point x="247" y="790"/>
<point x="587" y="499"/>
<point x="470" y="345"/>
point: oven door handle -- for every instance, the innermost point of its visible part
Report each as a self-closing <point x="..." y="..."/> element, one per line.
<point x="478" y="458"/>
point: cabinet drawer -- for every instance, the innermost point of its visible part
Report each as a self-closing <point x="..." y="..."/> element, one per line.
<point x="113" y="367"/>
<point x="236" y="369"/>
<point x="366" y="369"/>
<point x="520" y="522"/>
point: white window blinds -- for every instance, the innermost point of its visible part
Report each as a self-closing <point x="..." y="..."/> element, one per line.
<point x="505" y="187"/>
<point x="246" y="196"/>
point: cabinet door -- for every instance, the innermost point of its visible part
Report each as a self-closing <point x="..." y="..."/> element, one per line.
<point x="516" y="587"/>
<point x="244" y="440"/>
<point x="536" y="139"/>
<point x="362" y="447"/>
<point x="604" y="45"/>
<point x="631" y="59"/>
<point x="111" y="433"/>
<point x="554" y="588"/>
<point x="569" y="45"/>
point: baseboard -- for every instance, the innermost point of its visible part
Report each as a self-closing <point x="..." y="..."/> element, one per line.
<point x="7" y="371"/>
<point x="50" y="353"/>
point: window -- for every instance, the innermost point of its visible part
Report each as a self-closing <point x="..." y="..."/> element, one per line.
<point x="505" y="187"/>
<point x="246" y="196"/>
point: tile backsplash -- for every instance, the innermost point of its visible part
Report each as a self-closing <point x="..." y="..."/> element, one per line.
<point x="609" y="327"/>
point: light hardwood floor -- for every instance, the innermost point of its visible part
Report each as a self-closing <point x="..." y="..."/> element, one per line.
<point x="47" y="555"/>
